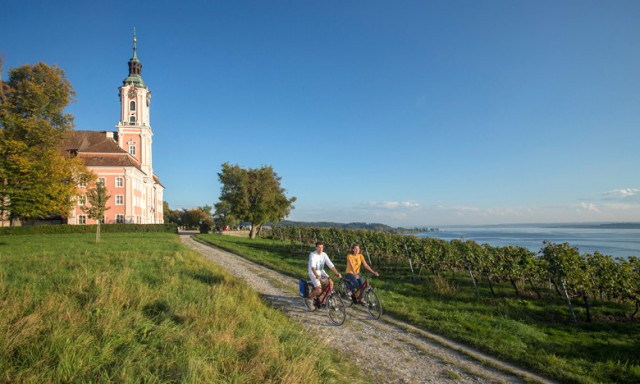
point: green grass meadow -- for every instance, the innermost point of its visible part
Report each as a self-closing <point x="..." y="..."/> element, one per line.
<point x="534" y="334"/>
<point x="140" y="307"/>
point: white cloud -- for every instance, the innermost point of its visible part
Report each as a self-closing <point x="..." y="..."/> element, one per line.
<point x="590" y="207"/>
<point x="623" y="193"/>
<point x="392" y="205"/>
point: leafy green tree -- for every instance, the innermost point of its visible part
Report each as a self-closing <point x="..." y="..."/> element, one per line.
<point x="170" y="215"/>
<point x="253" y="195"/>
<point x="36" y="180"/>
<point x="97" y="205"/>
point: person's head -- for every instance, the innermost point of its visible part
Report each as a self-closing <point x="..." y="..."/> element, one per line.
<point x="355" y="248"/>
<point x="319" y="246"/>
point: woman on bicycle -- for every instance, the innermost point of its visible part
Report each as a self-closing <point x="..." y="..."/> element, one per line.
<point x="317" y="260"/>
<point x="354" y="260"/>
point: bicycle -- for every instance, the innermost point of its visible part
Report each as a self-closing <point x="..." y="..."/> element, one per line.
<point x="363" y="294"/>
<point x="328" y="298"/>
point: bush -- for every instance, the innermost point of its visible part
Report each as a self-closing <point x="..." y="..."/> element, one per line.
<point x="205" y="228"/>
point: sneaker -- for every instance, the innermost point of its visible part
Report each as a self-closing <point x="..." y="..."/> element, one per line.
<point x="310" y="304"/>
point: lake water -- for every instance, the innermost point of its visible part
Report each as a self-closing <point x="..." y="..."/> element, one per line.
<point x="614" y="242"/>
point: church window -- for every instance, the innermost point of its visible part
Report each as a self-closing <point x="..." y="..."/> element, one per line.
<point x="102" y="180"/>
<point x="82" y="219"/>
<point x="120" y="219"/>
<point x="119" y="200"/>
<point x="132" y="148"/>
<point x="132" y="119"/>
<point x="119" y="182"/>
<point x="82" y="200"/>
<point x="132" y="105"/>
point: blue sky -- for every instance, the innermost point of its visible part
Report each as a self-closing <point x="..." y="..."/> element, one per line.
<point x="407" y="113"/>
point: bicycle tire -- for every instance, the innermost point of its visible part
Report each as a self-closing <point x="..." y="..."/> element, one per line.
<point x="342" y="291"/>
<point x="372" y="302"/>
<point x="336" y="309"/>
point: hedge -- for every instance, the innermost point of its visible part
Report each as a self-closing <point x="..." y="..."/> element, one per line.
<point x="104" y="228"/>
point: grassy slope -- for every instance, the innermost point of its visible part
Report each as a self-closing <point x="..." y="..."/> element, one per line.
<point x="141" y="307"/>
<point x="514" y="329"/>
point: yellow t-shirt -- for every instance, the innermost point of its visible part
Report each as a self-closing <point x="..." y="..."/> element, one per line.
<point x="356" y="260"/>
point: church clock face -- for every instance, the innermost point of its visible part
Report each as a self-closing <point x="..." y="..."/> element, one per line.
<point x="132" y="93"/>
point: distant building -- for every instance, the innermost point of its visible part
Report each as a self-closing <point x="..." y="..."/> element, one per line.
<point x="122" y="159"/>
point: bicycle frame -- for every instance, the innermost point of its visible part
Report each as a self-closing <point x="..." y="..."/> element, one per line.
<point x="322" y="297"/>
<point x="361" y="289"/>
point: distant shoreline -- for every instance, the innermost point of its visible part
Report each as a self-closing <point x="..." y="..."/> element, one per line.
<point x="627" y="225"/>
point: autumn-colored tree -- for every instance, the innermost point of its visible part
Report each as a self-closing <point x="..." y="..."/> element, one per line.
<point x="253" y="195"/>
<point x="97" y="205"/>
<point x="36" y="180"/>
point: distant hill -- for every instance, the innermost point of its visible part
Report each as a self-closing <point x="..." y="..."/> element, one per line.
<point x="599" y="225"/>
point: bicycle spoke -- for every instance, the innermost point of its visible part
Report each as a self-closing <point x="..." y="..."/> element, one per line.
<point x="372" y="303"/>
<point x="336" y="309"/>
<point x="342" y="291"/>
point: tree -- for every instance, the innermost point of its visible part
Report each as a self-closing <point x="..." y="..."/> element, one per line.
<point x="97" y="205"/>
<point x="252" y="195"/>
<point x="170" y="215"/>
<point x="37" y="181"/>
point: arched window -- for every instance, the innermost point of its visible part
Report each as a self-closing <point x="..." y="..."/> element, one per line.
<point x="132" y="105"/>
<point x="132" y="119"/>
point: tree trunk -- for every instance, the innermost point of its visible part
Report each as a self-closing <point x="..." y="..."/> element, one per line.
<point x="585" y="297"/>
<point x="254" y="230"/>
<point x="534" y="288"/>
<point x="636" y="311"/>
<point x="515" y="287"/>
<point x="97" y="231"/>
<point x="491" y="287"/>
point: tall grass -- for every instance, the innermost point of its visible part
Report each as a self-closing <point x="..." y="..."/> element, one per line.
<point x="142" y="308"/>
<point x="515" y="329"/>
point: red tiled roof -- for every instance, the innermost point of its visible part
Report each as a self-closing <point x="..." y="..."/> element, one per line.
<point x="108" y="160"/>
<point x="92" y="141"/>
<point x="97" y="149"/>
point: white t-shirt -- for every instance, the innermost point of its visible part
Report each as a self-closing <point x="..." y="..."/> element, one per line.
<point x="318" y="262"/>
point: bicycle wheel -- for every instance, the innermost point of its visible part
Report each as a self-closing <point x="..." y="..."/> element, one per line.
<point x="372" y="302"/>
<point x="342" y="291"/>
<point x="337" y="310"/>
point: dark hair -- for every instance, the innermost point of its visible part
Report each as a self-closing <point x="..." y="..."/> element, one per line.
<point x="355" y="245"/>
<point x="319" y="243"/>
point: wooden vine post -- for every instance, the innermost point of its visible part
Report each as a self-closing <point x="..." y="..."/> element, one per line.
<point x="406" y="250"/>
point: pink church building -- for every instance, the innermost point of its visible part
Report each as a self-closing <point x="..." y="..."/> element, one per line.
<point x="122" y="159"/>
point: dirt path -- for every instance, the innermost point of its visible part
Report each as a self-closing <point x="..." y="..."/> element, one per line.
<point x="386" y="349"/>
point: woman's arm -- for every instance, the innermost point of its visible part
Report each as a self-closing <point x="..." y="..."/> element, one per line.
<point x="364" y="262"/>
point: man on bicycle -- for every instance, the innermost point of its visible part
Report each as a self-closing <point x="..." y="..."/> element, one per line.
<point x="354" y="260"/>
<point x="317" y="261"/>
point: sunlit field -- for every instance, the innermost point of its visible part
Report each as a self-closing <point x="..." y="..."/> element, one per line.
<point x="140" y="307"/>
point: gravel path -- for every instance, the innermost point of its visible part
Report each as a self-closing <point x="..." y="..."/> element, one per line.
<point x="388" y="350"/>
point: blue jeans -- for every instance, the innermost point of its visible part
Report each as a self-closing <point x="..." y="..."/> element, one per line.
<point x="352" y="282"/>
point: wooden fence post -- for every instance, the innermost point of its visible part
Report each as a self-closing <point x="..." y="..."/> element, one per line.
<point x="413" y="277"/>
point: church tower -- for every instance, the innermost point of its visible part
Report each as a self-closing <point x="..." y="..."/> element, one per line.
<point x="134" y="129"/>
